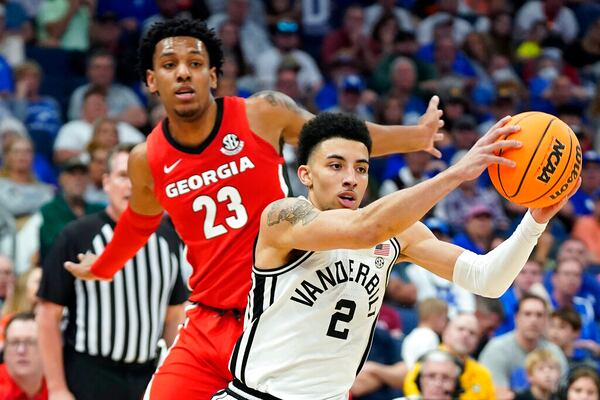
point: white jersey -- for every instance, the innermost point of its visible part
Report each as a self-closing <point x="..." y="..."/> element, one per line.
<point x="309" y="324"/>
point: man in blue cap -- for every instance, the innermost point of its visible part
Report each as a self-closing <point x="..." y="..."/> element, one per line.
<point x="350" y="99"/>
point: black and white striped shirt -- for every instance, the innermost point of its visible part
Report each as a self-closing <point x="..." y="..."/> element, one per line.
<point x="123" y="319"/>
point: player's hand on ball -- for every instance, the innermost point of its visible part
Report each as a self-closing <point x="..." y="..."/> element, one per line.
<point x="83" y="269"/>
<point x="485" y="151"/>
<point x="543" y="215"/>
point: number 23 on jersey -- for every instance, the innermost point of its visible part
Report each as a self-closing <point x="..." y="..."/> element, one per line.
<point x="231" y="197"/>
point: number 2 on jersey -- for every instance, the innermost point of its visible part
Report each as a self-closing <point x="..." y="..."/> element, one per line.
<point x="227" y="194"/>
<point x="345" y="314"/>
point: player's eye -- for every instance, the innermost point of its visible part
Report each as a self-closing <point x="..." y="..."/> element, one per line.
<point x="336" y="166"/>
<point x="362" y="170"/>
<point x="168" y="65"/>
<point x="195" y="64"/>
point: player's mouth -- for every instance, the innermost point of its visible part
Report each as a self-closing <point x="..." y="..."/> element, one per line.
<point x="185" y="93"/>
<point x="347" y="199"/>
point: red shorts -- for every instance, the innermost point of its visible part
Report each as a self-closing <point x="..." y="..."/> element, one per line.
<point x="197" y="364"/>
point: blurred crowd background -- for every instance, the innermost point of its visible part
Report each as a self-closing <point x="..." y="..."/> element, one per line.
<point x="69" y="93"/>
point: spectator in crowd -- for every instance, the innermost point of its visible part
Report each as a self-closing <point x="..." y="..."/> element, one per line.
<point x="286" y="38"/>
<point x="583" y="384"/>
<point x="529" y="280"/>
<point x="500" y="34"/>
<point x="166" y="10"/>
<point x="403" y="79"/>
<point x="350" y="98"/>
<point x="439" y="376"/>
<point x="428" y="284"/>
<point x="349" y="39"/>
<point x="75" y="135"/>
<point x="22" y="374"/>
<point x="587" y="228"/>
<point x="20" y="192"/>
<point x="382" y="41"/>
<point x="374" y="12"/>
<point x="12" y="46"/>
<point x="229" y="34"/>
<point x="6" y="81"/>
<point x="23" y="296"/>
<point x="276" y="10"/>
<point x="567" y="280"/>
<point x="460" y="338"/>
<point x="253" y="36"/>
<point x="124" y="319"/>
<point x="65" y="23"/>
<point x="468" y="201"/>
<point x="415" y="170"/>
<point x="590" y="182"/>
<point x="41" y="114"/>
<point x="94" y="192"/>
<point x="122" y="103"/>
<point x="564" y="331"/>
<point x="490" y="314"/>
<point x="7" y="278"/>
<point x="477" y="234"/>
<point x="433" y="316"/>
<point x="559" y="18"/>
<point x="585" y="53"/>
<point x="505" y="355"/>
<point x="68" y="205"/>
<point x="543" y="373"/>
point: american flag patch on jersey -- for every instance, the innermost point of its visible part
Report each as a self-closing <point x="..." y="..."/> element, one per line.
<point x="382" y="249"/>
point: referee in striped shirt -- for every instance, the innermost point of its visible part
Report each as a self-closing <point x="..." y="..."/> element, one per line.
<point x="111" y="335"/>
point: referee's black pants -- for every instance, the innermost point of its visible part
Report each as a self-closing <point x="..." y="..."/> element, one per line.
<point x="97" y="378"/>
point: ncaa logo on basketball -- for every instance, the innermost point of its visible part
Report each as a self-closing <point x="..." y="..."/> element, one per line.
<point x="231" y="144"/>
<point x="379" y="262"/>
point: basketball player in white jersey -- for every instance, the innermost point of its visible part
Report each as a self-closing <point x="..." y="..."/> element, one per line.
<point x="321" y="264"/>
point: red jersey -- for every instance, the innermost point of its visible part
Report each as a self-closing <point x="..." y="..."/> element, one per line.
<point x="9" y="390"/>
<point x="215" y="194"/>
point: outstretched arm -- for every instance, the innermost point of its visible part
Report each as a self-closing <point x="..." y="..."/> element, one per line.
<point x="135" y="225"/>
<point x="274" y="115"/>
<point x="295" y="224"/>
<point x="488" y="274"/>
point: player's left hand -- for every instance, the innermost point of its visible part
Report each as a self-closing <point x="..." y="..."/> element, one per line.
<point x="543" y="215"/>
<point x="431" y="122"/>
<point x="83" y="269"/>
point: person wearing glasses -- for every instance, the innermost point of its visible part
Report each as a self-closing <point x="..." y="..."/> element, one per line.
<point x="22" y="375"/>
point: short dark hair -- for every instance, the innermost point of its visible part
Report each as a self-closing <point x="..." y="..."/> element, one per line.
<point x="530" y="296"/>
<point x="331" y="125"/>
<point x="569" y="316"/>
<point x="179" y="27"/>
<point x="119" y="148"/>
<point x="94" y="89"/>
<point x="21" y="316"/>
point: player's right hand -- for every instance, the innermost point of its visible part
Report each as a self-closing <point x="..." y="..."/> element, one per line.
<point x="61" y="394"/>
<point x="485" y="151"/>
<point x="83" y="269"/>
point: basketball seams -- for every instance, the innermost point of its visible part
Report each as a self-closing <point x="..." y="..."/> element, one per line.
<point x="566" y="167"/>
<point x="524" y="175"/>
<point x="500" y="154"/>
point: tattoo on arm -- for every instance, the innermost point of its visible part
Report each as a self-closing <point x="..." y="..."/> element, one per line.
<point x="299" y="211"/>
<point x="278" y="99"/>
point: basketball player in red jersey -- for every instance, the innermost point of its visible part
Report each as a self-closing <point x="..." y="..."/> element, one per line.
<point x="213" y="165"/>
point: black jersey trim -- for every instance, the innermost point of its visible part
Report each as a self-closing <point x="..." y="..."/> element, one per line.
<point x="249" y="391"/>
<point x="368" y="346"/>
<point x="284" y="268"/>
<point x="199" y="148"/>
<point x="248" y="348"/>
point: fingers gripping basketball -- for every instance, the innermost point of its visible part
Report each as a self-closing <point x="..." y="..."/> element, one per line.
<point x="548" y="163"/>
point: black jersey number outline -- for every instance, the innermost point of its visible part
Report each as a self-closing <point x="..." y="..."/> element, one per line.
<point x="345" y="313"/>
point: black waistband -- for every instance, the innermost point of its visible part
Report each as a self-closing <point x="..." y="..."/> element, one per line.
<point x="240" y="387"/>
<point x="110" y="363"/>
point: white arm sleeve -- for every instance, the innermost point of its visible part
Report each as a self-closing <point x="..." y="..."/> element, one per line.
<point x="490" y="274"/>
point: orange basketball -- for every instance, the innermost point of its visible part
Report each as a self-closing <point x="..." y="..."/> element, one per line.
<point x="548" y="164"/>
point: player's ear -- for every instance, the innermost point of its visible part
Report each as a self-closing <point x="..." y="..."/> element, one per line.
<point x="150" y="81"/>
<point x="304" y="175"/>
<point x="213" y="77"/>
